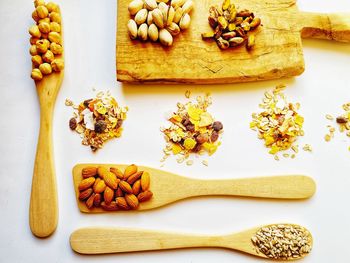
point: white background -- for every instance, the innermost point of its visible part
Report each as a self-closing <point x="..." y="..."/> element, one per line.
<point x="90" y="62"/>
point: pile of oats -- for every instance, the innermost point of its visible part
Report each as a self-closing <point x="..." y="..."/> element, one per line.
<point x="279" y="124"/>
<point x="283" y="241"/>
<point x="97" y="120"/>
<point x="343" y="122"/>
<point x="192" y="129"/>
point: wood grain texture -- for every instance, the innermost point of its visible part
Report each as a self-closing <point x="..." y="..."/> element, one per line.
<point x="43" y="211"/>
<point x="278" y="51"/>
<point x="118" y="240"/>
<point x="168" y="187"/>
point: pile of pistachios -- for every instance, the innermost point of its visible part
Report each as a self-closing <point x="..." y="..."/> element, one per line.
<point x="159" y="19"/>
<point x="232" y="28"/>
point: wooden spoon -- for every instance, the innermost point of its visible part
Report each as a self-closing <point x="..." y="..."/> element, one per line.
<point x="117" y="240"/>
<point x="168" y="187"/>
<point x="43" y="212"/>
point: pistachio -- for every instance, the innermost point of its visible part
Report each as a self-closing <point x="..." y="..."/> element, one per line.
<point x="143" y="32"/>
<point x="250" y="41"/>
<point x="222" y="43"/>
<point x="225" y="4"/>
<point x="173" y="29"/>
<point x="217" y="32"/>
<point x="164" y="9"/>
<point x="236" y="41"/>
<point x="135" y="6"/>
<point x="171" y="14"/>
<point x="188" y="6"/>
<point x="222" y="22"/>
<point x="238" y="20"/>
<point x="233" y="12"/>
<point x="141" y="16"/>
<point x="208" y="35"/>
<point x="158" y="18"/>
<point x="153" y="32"/>
<point x="165" y="38"/>
<point x="245" y="26"/>
<point x="132" y="29"/>
<point x="177" y="3"/>
<point x="255" y="23"/>
<point x="185" y="21"/>
<point x="240" y="32"/>
<point x="178" y="15"/>
<point x="150" y="4"/>
<point x="228" y="35"/>
<point x="149" y="18"/>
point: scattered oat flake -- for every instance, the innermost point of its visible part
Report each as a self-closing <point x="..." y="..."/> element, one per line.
<point x="205" y="162"/>
<point x="68" y="102"/>
<point x="188" y="94"/>
<point x="329" y="117"/>
<point x="189" y="162"/>
<point x="307" y="148"/>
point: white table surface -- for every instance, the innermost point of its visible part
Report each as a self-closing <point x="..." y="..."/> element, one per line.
<point x="90" y="62"/>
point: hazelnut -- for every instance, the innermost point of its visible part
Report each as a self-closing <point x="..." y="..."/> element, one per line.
<point x="55" y="27"/>
<point x="55" y="17"/>
<point x="33" y="40"/>
<point x="34" y="31"/>
<point x="45" y="68"/>
<point x="42" y="11"/>
<point x="35" y="16"/>
<point x="48" y="56"/>
<point x="36" y="74"/>
<point x="42" y="45"/>
<point x="57" y="64"/>
<point x="56" y="48"/>
<point x="202" y="138"/>
<point x="37" y="60"/>
<point x="214" y="136"/>
<point x="55" y="37"/>
<point x="52" y="7"/>
<point x="44" y="27"/>
<point x="46" y="20"/>
<point x="33" y="51"/>
<point x="39" y="2"/>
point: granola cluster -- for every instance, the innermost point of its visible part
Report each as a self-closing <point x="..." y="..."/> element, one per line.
<point x="279" y="124"/>
<point x="192" y="130"/>
<point x="98" y="120"/>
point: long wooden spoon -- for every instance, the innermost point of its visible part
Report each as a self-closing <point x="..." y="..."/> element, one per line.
<point x="117" y="240"/>
<point x="43" y="212"/>
<point x="168" y="187"/>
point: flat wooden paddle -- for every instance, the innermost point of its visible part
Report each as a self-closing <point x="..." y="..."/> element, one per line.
<point x="168" y="187"/>
<point x="278" y="51"/>
<point x="43" y="212"/>
<point x="116" y="240"/>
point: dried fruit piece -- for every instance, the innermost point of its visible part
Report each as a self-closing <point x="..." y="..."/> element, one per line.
<point x="132" y="201"/>
<point x="73" y="123"/>
<point x="145" y="196"/>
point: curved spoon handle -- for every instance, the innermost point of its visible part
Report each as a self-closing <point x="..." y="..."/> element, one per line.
<point x="284" y="187"/>
<point x="114" y="240"/>
<point x="43" y="210"/>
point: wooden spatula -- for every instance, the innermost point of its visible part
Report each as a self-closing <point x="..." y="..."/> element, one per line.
<point x="117" y="240"/>
<point x="168" y="187"/>
<point x="43" y="213"/>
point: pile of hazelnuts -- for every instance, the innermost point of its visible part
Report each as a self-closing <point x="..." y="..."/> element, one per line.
<point x="46" y="40"/>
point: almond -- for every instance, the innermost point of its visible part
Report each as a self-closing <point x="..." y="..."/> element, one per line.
<point x="121" y="202"/>
<point x="117" y="172"/>
<point x="126" y="188"/>
<point x="136" y="187"/>
<point x="90" y="202"/>
<point x="86" y="183"/>
<point x="131" y="169"/>
<point x="111" y="207"/>
<point x="119" y="192"/>
<point x="132" y="201"/>
<point x="89" y="171"/>
<point x="100" y="187"/>
<point x="85" y="194"/>
<point x="101" y="171"/>
<point x="97" y="200"/>
<point x="111" y="180"/>
<point x="145" y="196"/>
<point x="145" y="181"/>
<point x="108" y="195"/>
<point x="134" y="177"/>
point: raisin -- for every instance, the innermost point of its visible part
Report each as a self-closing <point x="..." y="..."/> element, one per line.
<point x="217" y="126"/>
<point x="100" y="126"/>
<point x="202" y="138"/>
<point x="341" y="120"/>
<point x="119" y="123"/>
<point x="214" y="136"/>
<point x="86" y="102"/>
<point x="73" y="124"/>
<point x="190" y="127"/>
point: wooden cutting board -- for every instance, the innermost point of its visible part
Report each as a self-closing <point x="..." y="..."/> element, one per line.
<point x="278" y="52"/>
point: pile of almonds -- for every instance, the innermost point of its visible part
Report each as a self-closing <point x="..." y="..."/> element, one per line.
<point x="159" y="19"/>
<point x="113" y="190"/>
<point x="46" y="41"/>
<point x="231" y="27"/>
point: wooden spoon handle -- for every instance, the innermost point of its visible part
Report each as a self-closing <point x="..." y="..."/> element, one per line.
<point x="284" y="187"/>
<point x="114" y="240"/>
<point x="43" y="211"/>
<point x="326" y="26"/>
